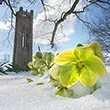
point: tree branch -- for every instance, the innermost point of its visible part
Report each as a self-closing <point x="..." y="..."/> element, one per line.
<point x="63" y="17"/>
<point x="84" y="8"/>
<point x="104" y="2"/>
<point x="10" y="6"/>
<point x="42" y="1"/>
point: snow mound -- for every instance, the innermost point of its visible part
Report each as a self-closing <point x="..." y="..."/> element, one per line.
<point x="17" y="94"/>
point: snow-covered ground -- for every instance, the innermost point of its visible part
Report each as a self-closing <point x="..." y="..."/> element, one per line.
<point x="17" y="94"/>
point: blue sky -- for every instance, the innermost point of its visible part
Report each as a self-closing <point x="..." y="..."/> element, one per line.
<point x="80" y="34"/>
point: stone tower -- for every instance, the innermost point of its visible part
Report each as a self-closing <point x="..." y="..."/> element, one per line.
<point x="23" y="38"/>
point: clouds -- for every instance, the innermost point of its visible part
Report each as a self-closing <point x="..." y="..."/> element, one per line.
<point x="43" y="28"/>
<point x="4" y="26"/>
<point x="43" y="31"/>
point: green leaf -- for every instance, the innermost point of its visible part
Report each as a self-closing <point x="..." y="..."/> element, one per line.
<point x="69" y="75"/>
<point x="38" y="63"/>
<point x="64" y="92"/>
<point x="42" y="62"/>
<point x="40" y="83"/>
<point x="79" y="45"/>
<point x="30" y="65"/>
<point x="88" y="77"/>
<point x="45" y="55"/>
<point x="34" y="71"/>
<point x="35" y="64"/>
<point x="52" y="79"/>
<point x="96" y="65"/>
<point x="50" y="60"/>
<point x="29" y="80"/>
<point x="34" y="56"/>
<point x="41" y="72"/>
<point x="97" y="49"/>
<point x="86" y="45"/>
<point x="39" y="55"/>
<point x="65" y="57"/>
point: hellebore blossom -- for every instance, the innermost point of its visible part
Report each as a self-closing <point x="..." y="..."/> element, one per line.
<point x="82" y="64"/>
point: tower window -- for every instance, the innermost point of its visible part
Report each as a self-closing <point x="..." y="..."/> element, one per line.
<point x="23" y="41"/>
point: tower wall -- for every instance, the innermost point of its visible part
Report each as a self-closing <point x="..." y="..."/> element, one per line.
<point x="23" y="38"/>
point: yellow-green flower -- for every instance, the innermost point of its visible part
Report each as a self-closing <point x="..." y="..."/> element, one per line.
<point x="80" y="64"/>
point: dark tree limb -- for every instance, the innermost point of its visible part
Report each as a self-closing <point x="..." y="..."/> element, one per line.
<point x="84" y="8"/>
<point x="43" y="4"/>
<point x="63" y="17"/>
<point x="8" y="3"/>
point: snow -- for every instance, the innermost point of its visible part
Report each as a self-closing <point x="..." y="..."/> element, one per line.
<point x="17" y="94"/>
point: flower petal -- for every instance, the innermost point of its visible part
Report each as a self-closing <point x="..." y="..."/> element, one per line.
<point x="82" y="53"/>
<point x="55" y="71"/>
<point x="68" y="75"/>
<point x="96" y="65"/>
<point x="88" y="77"/>
<point x="64" y="57"/>
<point x="97" y="49"/>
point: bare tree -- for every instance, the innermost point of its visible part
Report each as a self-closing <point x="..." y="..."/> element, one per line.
<point x="99" y="28"/>
<point x="100" y="32"/>
<point x="71" y="10"/>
